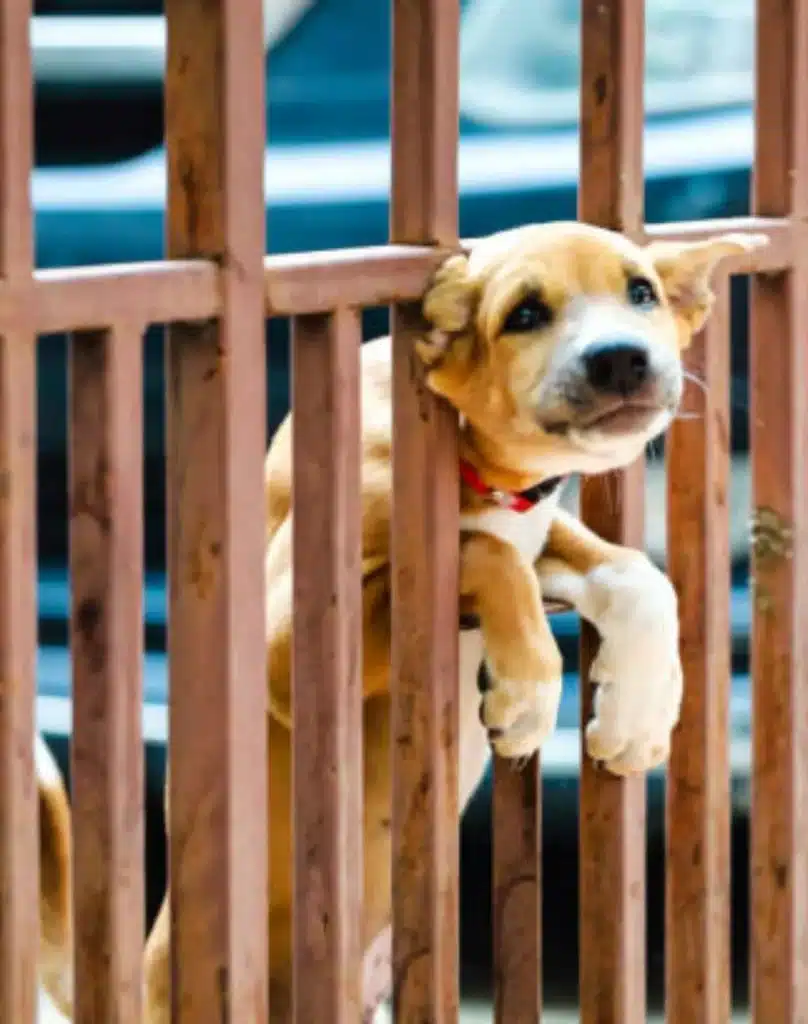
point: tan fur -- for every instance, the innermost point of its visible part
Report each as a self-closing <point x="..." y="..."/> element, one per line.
<point x="520" y="425"/>
<point x="55" y="879"/>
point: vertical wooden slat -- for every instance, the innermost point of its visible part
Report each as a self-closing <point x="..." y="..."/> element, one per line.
<point x="779" y="438"/>
<point x="698" y="788"/>
<point x="612" y="822"/>
<point x="425" y="537"/>
<point x="517" y="892"/>
<point x="215" y="117"/>
<point x="424" y="121"/>
<point x="19" y="919"/>
<point x="327" y="667"/>
<point x="106" y="565"/>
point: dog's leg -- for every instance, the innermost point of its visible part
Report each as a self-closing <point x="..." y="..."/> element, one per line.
<point x="55" y="872"/>
<point x="637" y="670"/>
<point x="522" y="662"/>
<point x="157" y="969"/>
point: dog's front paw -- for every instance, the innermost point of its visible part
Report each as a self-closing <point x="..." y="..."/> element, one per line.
<point x="519" y="716"/>
<point x="637" y="670"/>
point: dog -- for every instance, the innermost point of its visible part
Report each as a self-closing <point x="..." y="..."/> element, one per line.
<point x="559" y="346"/>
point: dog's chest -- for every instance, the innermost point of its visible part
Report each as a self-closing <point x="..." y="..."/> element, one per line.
<point x="526" y="531"/>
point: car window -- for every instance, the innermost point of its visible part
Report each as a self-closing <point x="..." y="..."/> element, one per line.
<point x="520" y="59"/>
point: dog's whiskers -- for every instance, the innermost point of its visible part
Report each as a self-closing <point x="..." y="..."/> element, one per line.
<point x="695" y="379"/>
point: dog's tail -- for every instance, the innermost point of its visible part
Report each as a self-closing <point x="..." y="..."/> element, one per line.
<point x="55" y="873"/>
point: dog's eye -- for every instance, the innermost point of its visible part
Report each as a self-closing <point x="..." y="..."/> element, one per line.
<point x="641" y="292"/>
<point x="530" y="315"/>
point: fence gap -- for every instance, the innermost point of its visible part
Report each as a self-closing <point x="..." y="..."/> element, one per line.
<point x="779" y="453"/>
<point x="327" y="666"/>
<point x="215" y="129"/>
<point x="697" y="920"/>
<point x="612" y="810"/>
<point x="106" y="571"/>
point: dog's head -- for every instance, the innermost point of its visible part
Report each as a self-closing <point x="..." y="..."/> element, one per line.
<point x="561" y="344"/>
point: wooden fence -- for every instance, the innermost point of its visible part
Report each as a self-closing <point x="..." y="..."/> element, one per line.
<point x="215" y="290"/>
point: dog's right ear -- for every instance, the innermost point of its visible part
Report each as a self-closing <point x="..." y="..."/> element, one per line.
<point x="448" y="307"/>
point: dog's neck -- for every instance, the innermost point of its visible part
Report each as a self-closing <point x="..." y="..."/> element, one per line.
<point x="493" y="465"/>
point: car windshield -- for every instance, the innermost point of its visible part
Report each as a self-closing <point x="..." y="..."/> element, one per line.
<point x="520" y="59"/>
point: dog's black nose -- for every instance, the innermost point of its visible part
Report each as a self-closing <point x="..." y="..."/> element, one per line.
<point x="617" y="367"/>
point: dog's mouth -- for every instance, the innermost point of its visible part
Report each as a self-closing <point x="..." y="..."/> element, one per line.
<point x="621" y="418"/>
<point x="617" y="419"/>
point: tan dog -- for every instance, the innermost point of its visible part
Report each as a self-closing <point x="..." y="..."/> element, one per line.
<point x="559" y="346"/>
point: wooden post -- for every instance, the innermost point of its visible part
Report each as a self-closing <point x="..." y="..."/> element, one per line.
<point x="779" y="429"/>
<point x="425" y="537"/>
<point x="19" y="920"/>
<point x="216" y="425"/>
<point x="697" y="920"/>
<point x="612" y="810"/>
<point x="106" y="568"/>
<point x="327" y="666"/>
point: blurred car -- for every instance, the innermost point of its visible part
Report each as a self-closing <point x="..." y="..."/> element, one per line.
<point x="99" y="197"/>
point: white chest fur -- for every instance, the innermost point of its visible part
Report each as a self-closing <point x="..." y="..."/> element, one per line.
<point x="526" y="531"/>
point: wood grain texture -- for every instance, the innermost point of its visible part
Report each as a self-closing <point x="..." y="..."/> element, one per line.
<point x="19" y="918"/>
<point x="19" y="921"/>
<point x="106" y="570"/>
<point x="517" y="892"/>
<point x="697" y="923"/>
<point x="16" y="141"/>
<point x="215" y="447"/>
<point x="327" y="669"/>
<point x="779" y="441"/>
<point x="424" y="537"/>
<point x="424" y="122"/>
<point x="425" y="707"/>
<point x="612" y="811"/>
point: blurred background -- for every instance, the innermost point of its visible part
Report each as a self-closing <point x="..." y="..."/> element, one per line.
<point x="99" y="195"/>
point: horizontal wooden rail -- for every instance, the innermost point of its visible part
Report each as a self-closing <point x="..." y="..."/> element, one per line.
<point x="321" y="281"/>
<point x="785" y="238"/>
<point x="173" y="291"/>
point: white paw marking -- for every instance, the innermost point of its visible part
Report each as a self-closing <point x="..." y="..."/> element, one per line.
<point x="520" y="716"/>
<point x="637" y="670"/>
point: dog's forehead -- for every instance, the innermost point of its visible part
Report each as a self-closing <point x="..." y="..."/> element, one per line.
<point x="579" y="254"/>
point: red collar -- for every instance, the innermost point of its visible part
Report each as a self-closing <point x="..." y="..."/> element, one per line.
<point x="519" y="501"/>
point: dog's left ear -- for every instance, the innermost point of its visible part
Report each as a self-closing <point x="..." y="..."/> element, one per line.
<point x="448" y="307"/>
<point x="686" y="269"/>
